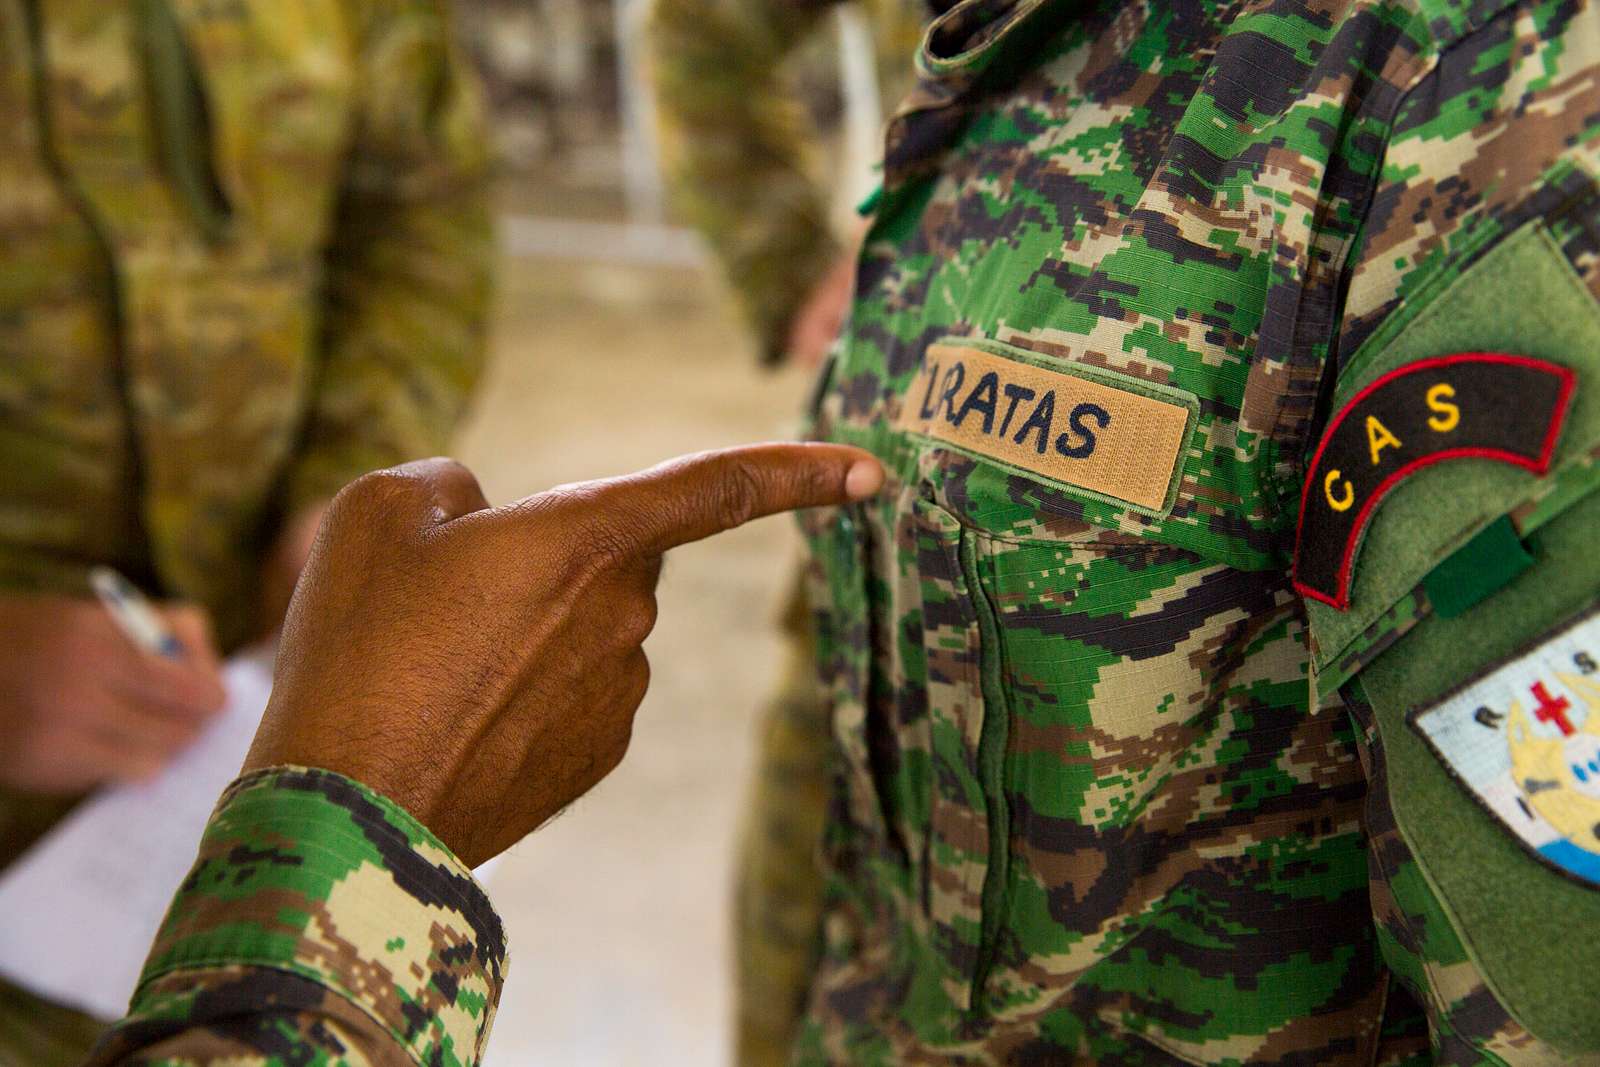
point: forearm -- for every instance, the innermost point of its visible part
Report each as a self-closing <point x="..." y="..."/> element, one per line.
<point x="320" y="923"/>
<point x="741" y="153"/>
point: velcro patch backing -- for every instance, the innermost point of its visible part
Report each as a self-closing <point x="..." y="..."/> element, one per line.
<point x="1069" y="425"/>
<point x="1468" y="405"/>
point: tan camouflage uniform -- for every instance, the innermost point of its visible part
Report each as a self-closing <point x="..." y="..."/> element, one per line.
<point x="743" y="159"/>
<point x="244" y="257"/>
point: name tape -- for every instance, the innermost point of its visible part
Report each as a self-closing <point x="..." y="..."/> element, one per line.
<point x="1480" y="405"/>
<point x="1061" y="425"/>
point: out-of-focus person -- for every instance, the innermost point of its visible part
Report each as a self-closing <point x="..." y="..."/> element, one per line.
<point x="743" y="157"/>
<point x="246" y="256"/>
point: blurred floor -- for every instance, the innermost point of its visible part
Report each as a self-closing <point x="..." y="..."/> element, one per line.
<point x="618" y="910"/>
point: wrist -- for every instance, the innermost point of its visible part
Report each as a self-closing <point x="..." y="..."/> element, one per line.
<point x="309" y="872"/>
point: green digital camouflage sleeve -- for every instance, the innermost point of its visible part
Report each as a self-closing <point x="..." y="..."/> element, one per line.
<point x="409" y="265"/>
<point x="740" y="152"/>
<point x="320" y="924"/>
<point x="1493" y="158"/>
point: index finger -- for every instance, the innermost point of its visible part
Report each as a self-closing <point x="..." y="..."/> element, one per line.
<point x="693" y="497"/>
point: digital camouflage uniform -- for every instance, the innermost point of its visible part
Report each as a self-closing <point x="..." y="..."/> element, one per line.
<point x="320" y="924"/>
<point x="1102" y="771"/>
<point x="743" y="159"/>
<point x="245" y="259"/>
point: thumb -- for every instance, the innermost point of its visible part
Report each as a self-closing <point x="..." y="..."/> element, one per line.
<point x="403" y="501"/>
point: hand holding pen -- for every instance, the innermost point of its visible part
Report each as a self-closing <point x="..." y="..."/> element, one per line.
<point x="133" y="613"/>
<point x="91" y="694"/>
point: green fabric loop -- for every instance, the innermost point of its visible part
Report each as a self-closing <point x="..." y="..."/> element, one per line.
<point x="1477" y="570"/>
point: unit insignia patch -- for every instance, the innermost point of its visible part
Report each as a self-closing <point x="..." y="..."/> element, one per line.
<point x="1524" y="739"/>
<point x="1469" y="405"/>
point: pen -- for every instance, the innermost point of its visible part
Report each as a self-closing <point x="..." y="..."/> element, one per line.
<point x="133" y="614"/>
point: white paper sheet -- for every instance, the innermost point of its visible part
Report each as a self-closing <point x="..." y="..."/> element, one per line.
<point x="78" y="911"/>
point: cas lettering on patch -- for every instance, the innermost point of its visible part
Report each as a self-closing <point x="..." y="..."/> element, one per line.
<point x="1524" y="740"/>
<point x="1080" y="427"/>
<point x="1471" y="405"/>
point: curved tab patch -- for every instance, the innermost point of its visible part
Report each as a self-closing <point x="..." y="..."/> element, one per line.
<point x="1479" y="405"/>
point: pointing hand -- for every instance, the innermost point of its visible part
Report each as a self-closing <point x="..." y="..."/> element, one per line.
<point x="481" y="665"/>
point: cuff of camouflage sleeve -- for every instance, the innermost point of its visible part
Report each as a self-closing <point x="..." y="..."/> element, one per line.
<point x="310" y="872"/>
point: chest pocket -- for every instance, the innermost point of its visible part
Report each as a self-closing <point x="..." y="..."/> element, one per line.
<point x="1100" y="738"/>
<point x="1076" y="627"/>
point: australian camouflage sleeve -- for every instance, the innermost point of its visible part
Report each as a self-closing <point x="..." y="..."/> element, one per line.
<point x="409" y="264"/>
<point x="321" y="924"/>
<point x="740" y="152"/>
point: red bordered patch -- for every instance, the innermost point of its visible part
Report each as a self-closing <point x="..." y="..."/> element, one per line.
<point x="1470" y="405"/>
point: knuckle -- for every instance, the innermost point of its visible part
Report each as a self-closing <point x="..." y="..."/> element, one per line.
<point x="167" y="746"/>
<point x="593" y="535"/>
<point x="639" y="621"/>
<point x="636" y="682"/>
<point x="526" y="522"/>
<point x="186" y="732"/>
<point x="609" y="543"/>
<point x="143" y="770"/>
<point x="380" y="493"/>
<point x="737" y="495"/>
<point x="617" y="748"/>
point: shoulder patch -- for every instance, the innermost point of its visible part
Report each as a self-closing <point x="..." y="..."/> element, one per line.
<point x="1112" y="436"/>
<point x="1469" y="405"/>
<point x="1524" y="740"/>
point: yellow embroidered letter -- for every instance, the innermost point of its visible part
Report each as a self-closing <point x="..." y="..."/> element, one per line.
<point x="1342" y="503"/>
<point x="1439" y="400"/>
<point x="1379" y="438"/>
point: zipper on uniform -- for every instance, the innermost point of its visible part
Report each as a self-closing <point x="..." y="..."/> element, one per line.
<point x="992" y="743"/>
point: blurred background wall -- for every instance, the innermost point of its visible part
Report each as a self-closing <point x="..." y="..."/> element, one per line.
<point x="573" y="113"/>
<point x="613" y="348"/>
